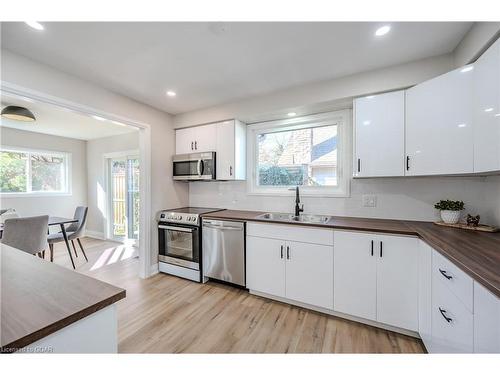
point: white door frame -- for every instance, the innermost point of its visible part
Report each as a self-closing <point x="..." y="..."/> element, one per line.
<point x="108" y="220"/>
<point x="145" y="222"/>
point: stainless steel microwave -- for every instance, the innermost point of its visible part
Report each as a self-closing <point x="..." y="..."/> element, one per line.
<point x="198" y="166"/>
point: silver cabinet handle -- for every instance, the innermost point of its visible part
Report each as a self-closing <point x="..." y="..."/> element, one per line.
<point x="195" y="145"/>
<point x="192" y="145"/>
<point x="230" y="170"/>
<point x="288" y="252"/>
<point x="281" y="252"/>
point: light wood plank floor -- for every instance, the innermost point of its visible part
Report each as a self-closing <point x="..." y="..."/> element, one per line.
<point x="166" y="314"/>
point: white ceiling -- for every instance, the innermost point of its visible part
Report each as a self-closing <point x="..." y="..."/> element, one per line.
<point x="212" y="63"/>
<point x="57" y="121"/>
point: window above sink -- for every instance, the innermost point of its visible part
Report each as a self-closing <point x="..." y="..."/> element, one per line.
<point x="311" y="152"/>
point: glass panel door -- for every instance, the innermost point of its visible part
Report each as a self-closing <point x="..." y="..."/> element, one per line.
<point x="124" y="197"/>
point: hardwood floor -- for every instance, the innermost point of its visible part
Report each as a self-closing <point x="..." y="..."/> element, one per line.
<point x="166" y="314"/>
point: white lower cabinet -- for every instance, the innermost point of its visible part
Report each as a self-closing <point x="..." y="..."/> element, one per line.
<point x="452" y="322"/>
<point x="486" y="321"/>
<point x="265" y="266"/>
<point x="376" y="278"/>
<point x="298" y="271"/>
<point x="425" y="294"/>
<point x="309" y="273"/>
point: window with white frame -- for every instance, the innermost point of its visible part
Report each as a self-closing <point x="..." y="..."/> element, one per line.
<point x="25" y="172"/>
<point x="310" y="152"/>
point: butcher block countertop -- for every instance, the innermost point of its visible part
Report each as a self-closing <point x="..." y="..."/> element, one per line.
<point x="476" y="253"/>
<point x="39" y="298"/>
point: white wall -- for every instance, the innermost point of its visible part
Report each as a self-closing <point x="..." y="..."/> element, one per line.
<point x="97" y="193"/>
<point x="332" y="91"/>
<point x="18" y="70"/>
<point x="49" y="205"/>
<point x="479" y="37"/>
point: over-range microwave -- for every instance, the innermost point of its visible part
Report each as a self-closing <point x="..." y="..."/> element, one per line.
<point x="198" y="166"/>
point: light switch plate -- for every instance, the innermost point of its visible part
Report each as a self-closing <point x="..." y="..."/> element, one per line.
<point x="369" y="200"/>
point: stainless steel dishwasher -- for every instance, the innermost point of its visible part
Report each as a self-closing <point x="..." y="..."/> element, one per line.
<point x="223" y="250"/>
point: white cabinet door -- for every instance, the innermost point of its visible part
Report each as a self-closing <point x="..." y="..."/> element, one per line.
<point x="379" y="135"/>
<point x="486" y="321"/>
<point x="397" y="281"/>
<point x="265" y="265"/>
<point x="309" y="273"/>
<point x="205" y="138"/>
<point x="486" y="96"/>
<point x="439" y="125"/>
<point x="355" y="277"/>
<point x="184" y="141"/>
<point x="424" y="294"/>
<point x="225" y="150"/>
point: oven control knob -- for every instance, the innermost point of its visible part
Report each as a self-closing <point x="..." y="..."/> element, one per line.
<point x="179" y="217"/>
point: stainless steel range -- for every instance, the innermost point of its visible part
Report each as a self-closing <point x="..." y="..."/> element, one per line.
<point x="179" y="241"/>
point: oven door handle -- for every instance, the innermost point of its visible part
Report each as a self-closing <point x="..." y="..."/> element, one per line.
<point x="179" y="229"/>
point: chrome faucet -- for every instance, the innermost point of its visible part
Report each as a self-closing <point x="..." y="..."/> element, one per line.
<point x="298" y="208"/>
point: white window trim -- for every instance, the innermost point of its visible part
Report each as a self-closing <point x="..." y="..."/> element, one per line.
<point x="342" y="118"/>
<point x="68" y="175"/>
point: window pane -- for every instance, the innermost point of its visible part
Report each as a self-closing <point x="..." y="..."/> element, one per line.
<point x="47" y="173"/>
<point x="13" y="167"/>
<point x="304" y="157"/>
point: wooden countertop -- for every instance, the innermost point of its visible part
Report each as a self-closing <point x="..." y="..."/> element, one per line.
<point x="39" y="298"/>
<point x="476" y="253"/>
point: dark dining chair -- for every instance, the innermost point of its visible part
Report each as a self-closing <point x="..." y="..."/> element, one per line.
<point x="28" y="234"/>
<point x="74" y="231"/>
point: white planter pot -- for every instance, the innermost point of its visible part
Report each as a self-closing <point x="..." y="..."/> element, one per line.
<point x="450" y="217"/>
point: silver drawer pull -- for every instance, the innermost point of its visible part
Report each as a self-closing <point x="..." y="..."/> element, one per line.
<point x="442" y="311"/>
<point x="445" y="274"/>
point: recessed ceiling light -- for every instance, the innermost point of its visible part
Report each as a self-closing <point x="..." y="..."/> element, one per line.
<point x="367" y="122"/>
<point x="35" y="25"/>
<point x="462" y="125"/>
<point x="382" y="30"/>
<point x="497" y="114"/>
<point x="467" y="69"/>
<point x="171" y="93"/>
<point x="488" y="109"/>
<point x="291" y="114"/>
<point x="99" y="118"/>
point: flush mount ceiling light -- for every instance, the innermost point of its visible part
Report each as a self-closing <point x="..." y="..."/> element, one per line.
<point x="382" y="30"/>
<point x="171" y="93"/>
<point x="291" y="114"/>
<point x="35" y="25"/>
<point x="13" y="112"/>
<point x="488" y="109"/>
<point x="467" y="69"/>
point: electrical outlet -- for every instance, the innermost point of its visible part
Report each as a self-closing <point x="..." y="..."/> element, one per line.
<point x="369" y="200"/>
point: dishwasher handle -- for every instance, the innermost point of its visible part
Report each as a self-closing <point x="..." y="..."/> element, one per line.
<point x="222" y="227"/>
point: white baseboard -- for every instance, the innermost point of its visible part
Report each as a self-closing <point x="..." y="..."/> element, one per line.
<point x="95" y="234"/>
<point x="154" y="269"/>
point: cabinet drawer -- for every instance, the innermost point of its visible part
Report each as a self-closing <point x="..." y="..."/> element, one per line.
<point x="455" y="279"/>
<point x="290" y="232"/>
<point x="452" y="322"/>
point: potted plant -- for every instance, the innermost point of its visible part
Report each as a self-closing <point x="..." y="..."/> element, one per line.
<point x="450" y="210"/>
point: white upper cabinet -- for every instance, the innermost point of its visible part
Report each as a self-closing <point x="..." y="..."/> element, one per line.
<point x="379" y="133"/>
<point x="486" y="101"/>
<point x="439" y="138"/>
<point x="195" y="139"/>
<point x="231" y="150"/>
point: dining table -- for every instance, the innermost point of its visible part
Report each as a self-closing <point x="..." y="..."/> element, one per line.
<point x="61" y="222"/>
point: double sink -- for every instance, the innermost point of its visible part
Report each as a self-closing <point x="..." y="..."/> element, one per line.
<point x="303" y="218"/>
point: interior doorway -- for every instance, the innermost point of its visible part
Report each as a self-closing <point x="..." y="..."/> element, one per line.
<point x="124" y="198"/>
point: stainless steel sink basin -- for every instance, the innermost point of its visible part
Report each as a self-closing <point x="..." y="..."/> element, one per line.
<point x="313" y="219"/>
